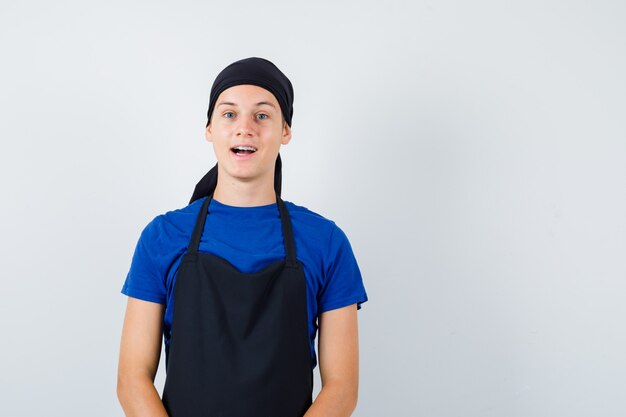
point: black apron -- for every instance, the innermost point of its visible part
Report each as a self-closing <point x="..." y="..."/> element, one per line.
<point x="239" y="345"/>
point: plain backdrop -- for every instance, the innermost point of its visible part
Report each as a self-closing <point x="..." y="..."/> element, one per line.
<point x="473" y="152"/>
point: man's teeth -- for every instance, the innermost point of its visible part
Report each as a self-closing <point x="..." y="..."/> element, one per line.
<point x="244" y="148"/>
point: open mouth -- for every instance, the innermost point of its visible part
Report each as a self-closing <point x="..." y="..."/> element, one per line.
<point x="243" y="150"/>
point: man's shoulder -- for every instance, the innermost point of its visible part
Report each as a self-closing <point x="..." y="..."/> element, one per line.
<point x="306" y="214"/>
<point x="182" y="213"/>
<point x="312" y="223"/>
<point x="174" y="223"/>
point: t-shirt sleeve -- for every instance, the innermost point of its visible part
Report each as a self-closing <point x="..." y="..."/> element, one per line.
<point x="343" y="284"/>
<point x="146" y="278"/>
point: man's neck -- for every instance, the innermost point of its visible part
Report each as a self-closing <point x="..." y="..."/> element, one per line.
<point x="244" y="194"/>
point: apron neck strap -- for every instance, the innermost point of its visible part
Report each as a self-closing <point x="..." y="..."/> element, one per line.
<point x="288" y="240"/>
<point x="199" y="227"/>
<point x="290" y="246"/>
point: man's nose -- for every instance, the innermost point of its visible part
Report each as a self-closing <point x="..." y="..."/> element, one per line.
<point x="245" y="127"/>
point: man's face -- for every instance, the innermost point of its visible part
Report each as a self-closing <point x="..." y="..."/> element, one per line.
<point x="246" y="130"/>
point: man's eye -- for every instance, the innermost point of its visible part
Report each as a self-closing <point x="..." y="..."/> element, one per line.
<point x="262" y="116"/>
<point x="229" y="114"/>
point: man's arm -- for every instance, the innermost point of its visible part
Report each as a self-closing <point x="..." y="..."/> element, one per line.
<point x="339" y="363"/>
<point x="140" y="351"/>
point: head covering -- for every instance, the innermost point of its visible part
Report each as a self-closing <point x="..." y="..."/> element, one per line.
<point x="254" y="71"/>
<point x="259" y="72"/>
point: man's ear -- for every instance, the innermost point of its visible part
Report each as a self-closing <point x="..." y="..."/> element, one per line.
<point x="207" y="134"/>
<point x="286" y="134"/>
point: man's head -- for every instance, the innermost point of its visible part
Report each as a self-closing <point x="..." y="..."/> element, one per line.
<point x="251" y="103"/>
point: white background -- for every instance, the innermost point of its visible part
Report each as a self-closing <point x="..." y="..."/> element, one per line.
<point x="473" y="152"/>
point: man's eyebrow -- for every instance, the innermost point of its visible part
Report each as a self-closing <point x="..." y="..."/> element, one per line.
<point x="265" y="102"/>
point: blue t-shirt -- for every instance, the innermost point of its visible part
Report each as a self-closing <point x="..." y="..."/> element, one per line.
<point x="250" y="238"/>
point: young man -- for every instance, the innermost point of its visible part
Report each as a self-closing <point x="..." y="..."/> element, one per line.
<point x="239" y="281"/>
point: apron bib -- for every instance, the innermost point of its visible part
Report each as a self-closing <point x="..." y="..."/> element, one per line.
<point x="239" y="345"/>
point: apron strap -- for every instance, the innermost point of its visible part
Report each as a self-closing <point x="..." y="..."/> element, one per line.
<point x="290" y="246"/>
<point x="199" y="227"/>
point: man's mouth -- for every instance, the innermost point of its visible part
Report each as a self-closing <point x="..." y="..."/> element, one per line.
<point x="243" y="150"/>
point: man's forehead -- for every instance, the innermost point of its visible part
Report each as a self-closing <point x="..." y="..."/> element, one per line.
<point x="247" y="93"/>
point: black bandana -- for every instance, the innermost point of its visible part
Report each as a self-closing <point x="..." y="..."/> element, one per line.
<point x="259" y="72"/>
